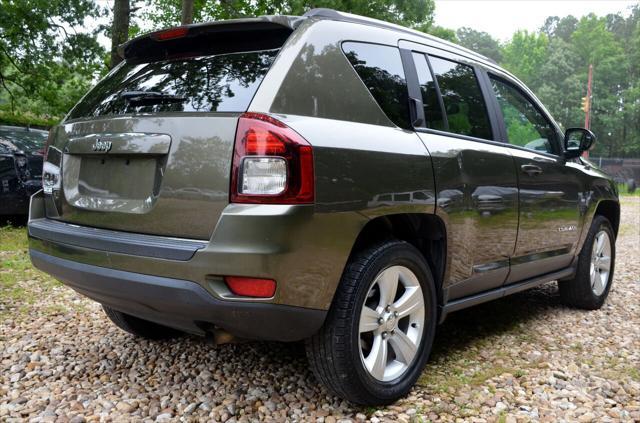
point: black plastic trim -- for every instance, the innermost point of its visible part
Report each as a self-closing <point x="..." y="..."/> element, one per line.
<point x="503" y="291"/>
<point x="115" y="241"/>
<point x="181" y="304"/>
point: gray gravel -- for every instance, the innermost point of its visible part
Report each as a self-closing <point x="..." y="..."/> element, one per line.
<point x="523" y="358"/>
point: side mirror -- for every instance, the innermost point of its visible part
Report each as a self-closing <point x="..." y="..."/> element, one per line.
<point x="577" y="141"/>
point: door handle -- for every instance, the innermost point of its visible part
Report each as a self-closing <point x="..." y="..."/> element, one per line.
<point x="531" y="169"/>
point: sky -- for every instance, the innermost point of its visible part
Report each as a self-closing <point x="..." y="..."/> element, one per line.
<point x="501" y="18"/>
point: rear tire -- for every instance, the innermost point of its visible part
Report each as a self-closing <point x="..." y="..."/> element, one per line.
<point x="590" y="286"/>
<point x="139" y="327"/>
<point x="369" y="353"/>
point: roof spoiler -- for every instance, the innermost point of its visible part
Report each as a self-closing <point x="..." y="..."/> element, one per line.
<point x="263" y="33"/>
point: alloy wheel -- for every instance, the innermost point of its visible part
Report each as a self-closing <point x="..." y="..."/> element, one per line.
<point x="391" y="323"/>
<point x="600" y="262"/>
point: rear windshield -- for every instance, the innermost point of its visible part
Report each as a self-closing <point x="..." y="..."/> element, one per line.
<point x="220" y="83"/>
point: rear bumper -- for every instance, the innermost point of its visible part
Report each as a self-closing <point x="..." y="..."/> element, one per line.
<point x="181" y="304"/>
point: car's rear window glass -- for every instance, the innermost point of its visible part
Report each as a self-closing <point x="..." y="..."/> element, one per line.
<point x="220" y="83"/>
<point x="380" y="68"/>
<point x="432" y="110"/>
<point x="465" y="107"/>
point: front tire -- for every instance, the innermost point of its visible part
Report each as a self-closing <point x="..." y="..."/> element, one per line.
<point x="380" y="328"/>
<point x="594" y="274"/>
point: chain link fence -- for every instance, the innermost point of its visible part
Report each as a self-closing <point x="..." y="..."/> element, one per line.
<point x="625" y="171"/>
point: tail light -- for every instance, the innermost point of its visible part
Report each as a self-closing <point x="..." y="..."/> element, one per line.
<point x="271" y="163"/>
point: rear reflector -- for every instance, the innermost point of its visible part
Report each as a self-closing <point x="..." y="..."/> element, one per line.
<point x="251" y="287"/>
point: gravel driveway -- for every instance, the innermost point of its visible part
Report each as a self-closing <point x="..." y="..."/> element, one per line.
<point x="522" y="358"/>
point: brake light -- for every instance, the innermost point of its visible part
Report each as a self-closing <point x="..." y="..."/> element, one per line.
<point x="251" y="287"/>
<point x="271" y="163"/>
<point x="170" y="34"/>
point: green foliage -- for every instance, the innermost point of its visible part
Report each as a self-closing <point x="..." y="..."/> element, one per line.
<point x="480" y="42"/>
<point x="525" y="54"/>
<point x="46" y="60"/>
<point x="440" y="32"/>
<point x="26" y="119"/>
<point x="554" y="63"/>
<point x="411" y="13"/>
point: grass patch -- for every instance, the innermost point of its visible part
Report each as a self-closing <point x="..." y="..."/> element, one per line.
<point x="20" y="283"/>
<point x="624" y="191"/>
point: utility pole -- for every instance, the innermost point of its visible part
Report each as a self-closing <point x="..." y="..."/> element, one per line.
<point x="587" y="111"/>
<point x="586" y="105"/>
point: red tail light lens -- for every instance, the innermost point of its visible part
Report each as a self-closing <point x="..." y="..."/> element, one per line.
<point x="271" y="163"/>
<point x="251" y="287"/>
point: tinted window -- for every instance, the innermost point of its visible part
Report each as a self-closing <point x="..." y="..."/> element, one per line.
<point x="432" y="110"/>
<point x="221" y="83"/>
<point x="24" y="140"/>
<point x="463" y="101"/>
<point x="380" y="68"/>
<point x="526" y="126"/>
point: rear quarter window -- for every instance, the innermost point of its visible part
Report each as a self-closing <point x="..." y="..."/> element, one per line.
<point x="380" y="68"/>
<point x="218" y="83"/>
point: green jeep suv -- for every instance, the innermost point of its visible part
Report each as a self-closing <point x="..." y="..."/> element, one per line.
<point x="328" y="178"/>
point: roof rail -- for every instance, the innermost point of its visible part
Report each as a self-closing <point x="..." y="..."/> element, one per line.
<point x="349" y="17"/>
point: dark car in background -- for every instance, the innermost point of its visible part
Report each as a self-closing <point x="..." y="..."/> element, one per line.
<point x="21" y="153"/>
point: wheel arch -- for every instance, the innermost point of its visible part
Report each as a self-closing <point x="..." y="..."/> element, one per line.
<point x="611" y="210"/>
<point x="426" y="232"/>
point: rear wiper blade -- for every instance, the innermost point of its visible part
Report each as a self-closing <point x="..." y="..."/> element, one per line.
<point x="150" y="97"/>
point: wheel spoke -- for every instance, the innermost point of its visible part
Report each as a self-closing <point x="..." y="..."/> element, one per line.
<point x="410" y="301"/>
<point x="403" y="346"/>
<point x="368" y="320"/>
<point x="604" y="263"/>
<point x="388" y="284"/>
<point x="597" y="284"/>
<point x="600" y="242"/>
<point x="376" y="362"/>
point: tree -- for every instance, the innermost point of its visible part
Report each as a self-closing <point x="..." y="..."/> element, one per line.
<point x="440" y="32"/>
<point x="119" y="28"/>
<point x="411" y="13"/>
<point x="524" y="55"/>
<point x="44" y="46"/>
<point x="187" y="12"/>
<point x="480" y="42"/>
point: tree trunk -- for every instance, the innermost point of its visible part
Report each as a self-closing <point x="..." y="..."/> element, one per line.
<point x="187" y="12"/>
<point x="119" y="28"/>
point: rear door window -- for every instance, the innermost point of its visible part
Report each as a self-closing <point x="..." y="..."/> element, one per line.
<point x="463" y="101"/>
<point x="219" y="83"/>
<point x="432" y="110"/>
<point x="380" y="68"/>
